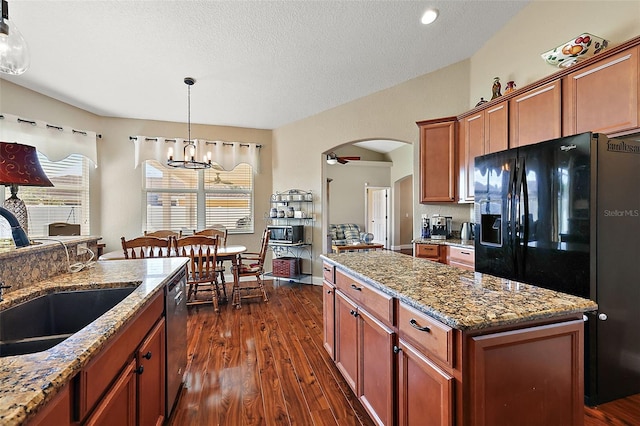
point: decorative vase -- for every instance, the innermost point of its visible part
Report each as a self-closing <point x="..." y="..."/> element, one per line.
<point x="511" y="86"/>
<point x="495" y="89"/>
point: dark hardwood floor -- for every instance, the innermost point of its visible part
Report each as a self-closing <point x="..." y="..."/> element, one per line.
<point x="265" y="365"/>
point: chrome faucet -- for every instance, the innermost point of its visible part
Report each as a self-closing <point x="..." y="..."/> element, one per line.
<point x="2" y="287"/>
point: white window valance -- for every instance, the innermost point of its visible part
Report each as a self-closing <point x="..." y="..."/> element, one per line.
<point x="54" y="141"/>
<point x="226" y="154"/>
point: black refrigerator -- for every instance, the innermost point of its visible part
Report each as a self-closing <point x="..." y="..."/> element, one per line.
<point x="565" y="215"/>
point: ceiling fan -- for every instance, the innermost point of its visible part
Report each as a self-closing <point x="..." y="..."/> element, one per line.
<point x="332" y="159"/>
<point x="219" y="181"/>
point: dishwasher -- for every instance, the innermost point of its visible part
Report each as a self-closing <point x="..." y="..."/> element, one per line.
<point x="176" y="338"/>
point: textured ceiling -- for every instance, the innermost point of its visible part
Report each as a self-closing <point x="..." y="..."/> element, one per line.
<point x="258" y="64"/>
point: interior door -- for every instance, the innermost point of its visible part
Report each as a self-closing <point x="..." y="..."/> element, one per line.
<point x="377" y="214"/>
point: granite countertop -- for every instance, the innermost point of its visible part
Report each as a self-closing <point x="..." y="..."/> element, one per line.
<point x="39" y="244"/>
<point x="462" y="299"/>
<point x="28" y="381"/>
<point x="468" y="244"/>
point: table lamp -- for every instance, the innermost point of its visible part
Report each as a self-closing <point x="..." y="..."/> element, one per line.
<point x="19" y="165"/>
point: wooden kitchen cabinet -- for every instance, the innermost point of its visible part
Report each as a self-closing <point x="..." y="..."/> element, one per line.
<point x="364" y="340"/>
<point x="603" y="97"/>
<point x="151" y="368"/>
<point x="461" y="257"/>
<point x="438" y="160"/>
<point x="118" y="405"/>
<point x="435" y="252"/>
<point x="484" y="132"/>
<point x="96" y="382"/>
<point x="328" y="313"/>
<point x="425" y="392"/>
<point x="527" y="369"/>
<point x="536" y="115"/>
<point x="57" y="412"/>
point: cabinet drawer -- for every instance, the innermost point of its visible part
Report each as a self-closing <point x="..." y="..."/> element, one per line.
<point x="374" y="301"/>
<point x="328" y="272"/>
<point x="425" y="333"/>
<point x="429" y="251"/>
<point x="462" y="257"/>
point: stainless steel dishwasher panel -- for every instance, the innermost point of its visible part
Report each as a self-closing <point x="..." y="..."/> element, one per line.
<point x="176" y="338"/>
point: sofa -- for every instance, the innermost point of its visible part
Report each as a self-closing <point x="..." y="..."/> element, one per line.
<point x="347" y="233"/>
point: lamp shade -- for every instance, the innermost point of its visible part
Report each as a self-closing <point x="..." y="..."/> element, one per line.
<point x="19" y="165"/>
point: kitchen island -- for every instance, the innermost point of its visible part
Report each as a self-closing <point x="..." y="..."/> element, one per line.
<point x="31" y="382"/>
<point x="418" y="339"/>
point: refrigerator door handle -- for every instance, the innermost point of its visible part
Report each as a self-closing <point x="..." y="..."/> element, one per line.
<point x="510" y="201"/>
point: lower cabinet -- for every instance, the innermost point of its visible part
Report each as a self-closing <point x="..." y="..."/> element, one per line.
<point x="118" y="406"/>
<point x="425" y="392"/>
<point x="365" y="358"/>
<point x="461" y="257"/>
<point x="125" y="383"/>
<point x="435" y="252"/>
<point x="328" y="304"/>
<point x="407" y="368"/>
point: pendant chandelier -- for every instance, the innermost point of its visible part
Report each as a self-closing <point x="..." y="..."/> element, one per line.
<point x="14" y="52"/>
<point x="189" y="158"/>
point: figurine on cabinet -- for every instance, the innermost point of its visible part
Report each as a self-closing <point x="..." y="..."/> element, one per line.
<point x="495" y="89"/>
<point x="511" y="86"/>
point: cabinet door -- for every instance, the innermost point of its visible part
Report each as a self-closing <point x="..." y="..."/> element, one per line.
<point x="437" y="161"/>
<point x="118" y="406"/>
<point x="376" y="366"/>
<point x="496" y="130"/>
<point x="346" y="338"/>
<point x="536" y="370"/>
<point x="603" y="97"/>
<point x="151" y="377"/>
<point x="473" y="146"/>
<point x="536" y="115"/>
<point x="328" y="312"/>
<point x="57" y="411"/>
<point x="425" y="394"/>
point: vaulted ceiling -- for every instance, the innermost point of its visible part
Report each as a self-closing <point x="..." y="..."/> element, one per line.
<point x="258" y="64"/>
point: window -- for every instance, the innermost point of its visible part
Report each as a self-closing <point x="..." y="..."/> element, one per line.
<point x="187" y="200"/>
<point x="66" y="201"/>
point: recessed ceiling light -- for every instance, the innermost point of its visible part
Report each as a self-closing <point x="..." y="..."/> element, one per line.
<point x="429" y="16"/>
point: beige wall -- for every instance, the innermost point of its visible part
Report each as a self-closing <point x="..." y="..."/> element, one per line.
<point x="116" y="194"/>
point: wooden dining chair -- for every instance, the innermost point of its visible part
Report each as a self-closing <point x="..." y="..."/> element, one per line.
<point x="251" y="265"/>
<point x="145" y="247"/>
<point x="221" y="233"/>
<point x="163" y="233"/>
<point x="202" y="252"/>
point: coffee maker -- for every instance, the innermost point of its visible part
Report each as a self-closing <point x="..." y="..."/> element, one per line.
<point x="441" y="227"/>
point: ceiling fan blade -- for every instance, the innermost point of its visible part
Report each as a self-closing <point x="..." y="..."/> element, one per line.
<point x="350" y="158"/>
<point x="341" y="160"/>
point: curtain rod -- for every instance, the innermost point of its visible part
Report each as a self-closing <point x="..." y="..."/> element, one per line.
<point x="133" y="138"/>
<point x="51" y="126"/>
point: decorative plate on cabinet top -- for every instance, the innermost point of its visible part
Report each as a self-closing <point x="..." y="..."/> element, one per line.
<point x="582" y="47"/>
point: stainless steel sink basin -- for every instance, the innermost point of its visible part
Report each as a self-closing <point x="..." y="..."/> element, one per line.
<point x="43" y="322"/>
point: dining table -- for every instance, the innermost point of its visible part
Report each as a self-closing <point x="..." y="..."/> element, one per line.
<point x="229" y="252"/>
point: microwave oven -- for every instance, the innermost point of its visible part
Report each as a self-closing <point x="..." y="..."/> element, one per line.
<point x="286" y="234"/>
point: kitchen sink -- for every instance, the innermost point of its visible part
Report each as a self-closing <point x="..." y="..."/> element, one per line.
<point x="45" y="321"/>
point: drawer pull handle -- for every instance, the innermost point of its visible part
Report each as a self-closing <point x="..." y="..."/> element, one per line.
<point x="328" y="291"/>
<point x="396" y="349"/>
<point x="139" y="370"/>
<point x="415" y="325"/>
<point x="147" y="355"/>
<point x="355" y="287"/>
<point x="354" y="313"/>
<point x="326" y="269"/>
<point x="465" y="253"/>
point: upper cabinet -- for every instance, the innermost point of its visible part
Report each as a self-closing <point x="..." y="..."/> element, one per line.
<point x="603" y="97"/>
<point x="481" y="133"/>
<point x="536" y="115"/>
<point x="437" y="160"/>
